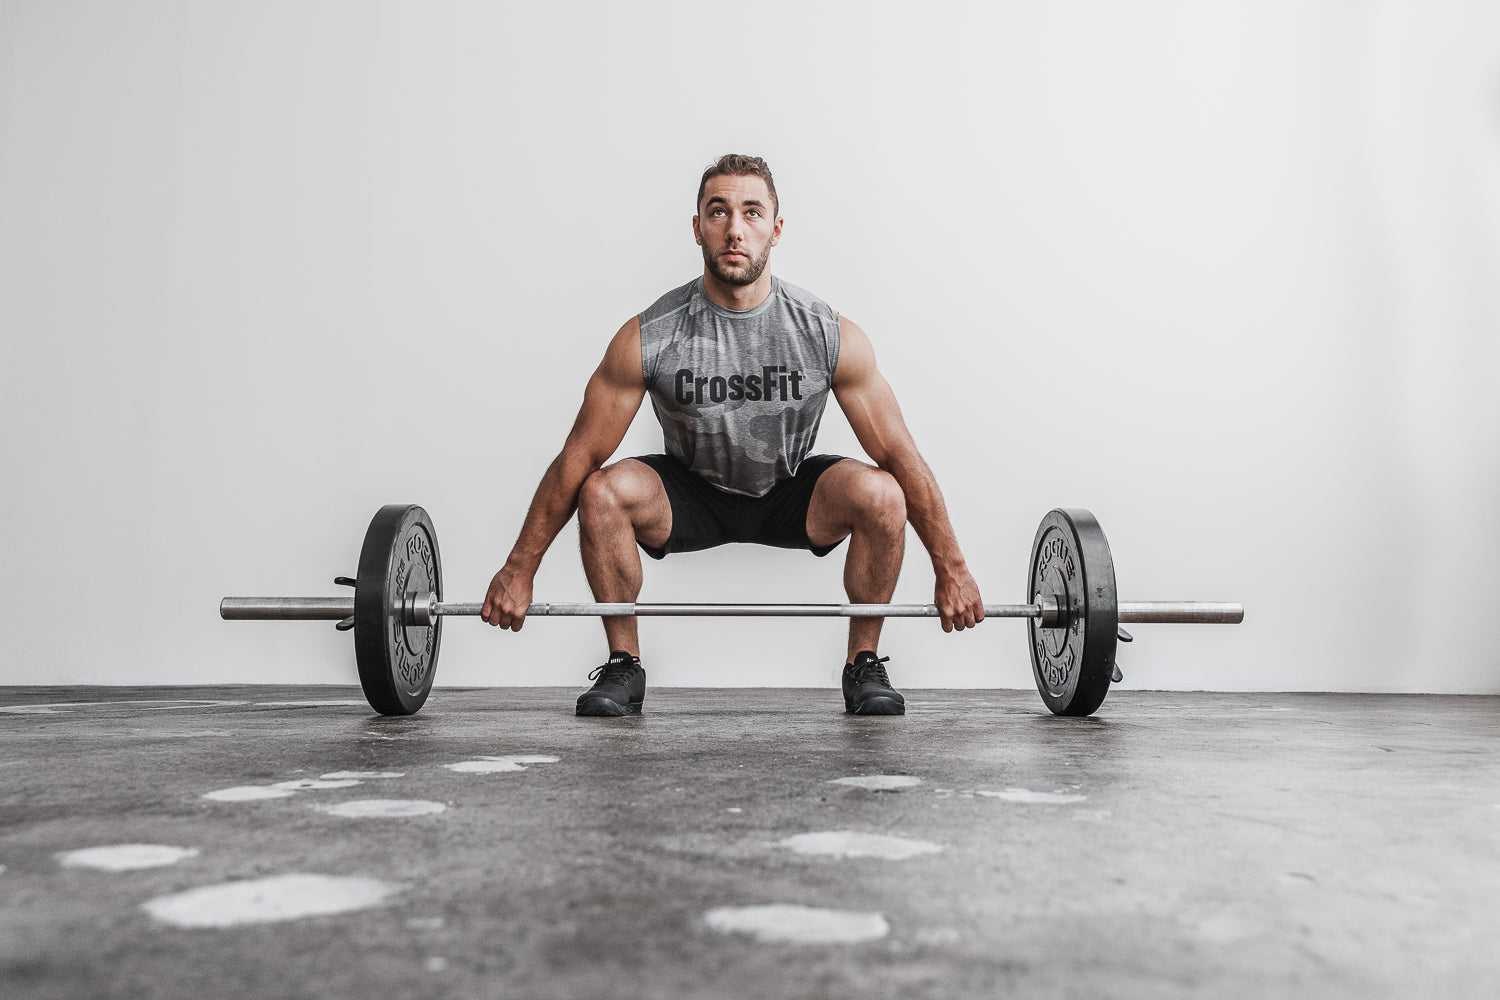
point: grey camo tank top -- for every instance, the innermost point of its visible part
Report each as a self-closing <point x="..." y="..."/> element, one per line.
<point x="739" y="395"/>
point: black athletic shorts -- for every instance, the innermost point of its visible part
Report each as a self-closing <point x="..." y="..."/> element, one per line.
<point x="704" y="516"/>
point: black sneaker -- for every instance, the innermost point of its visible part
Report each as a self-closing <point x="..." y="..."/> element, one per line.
<point x="867" y="689"/>
<point x="619" y="687"/>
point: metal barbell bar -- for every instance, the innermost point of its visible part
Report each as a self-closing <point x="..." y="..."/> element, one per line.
<point x="421" y="608"/>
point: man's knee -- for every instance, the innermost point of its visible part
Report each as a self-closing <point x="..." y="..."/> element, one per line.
<point x="610" y="493"/>
<point x="877" y="499"/>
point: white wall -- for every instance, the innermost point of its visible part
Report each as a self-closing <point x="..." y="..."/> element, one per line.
<point x="1225" y="273"/>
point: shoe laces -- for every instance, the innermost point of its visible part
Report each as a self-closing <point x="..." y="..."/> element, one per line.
<point x="613" y="671"/>
<point x="871" y="670"/>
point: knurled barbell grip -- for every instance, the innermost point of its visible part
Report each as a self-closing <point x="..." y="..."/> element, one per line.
<point x="1154" y="612"/>
<point x="749" y="610"/>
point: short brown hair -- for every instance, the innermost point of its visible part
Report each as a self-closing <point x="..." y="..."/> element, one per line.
<point x="737" y="164"/>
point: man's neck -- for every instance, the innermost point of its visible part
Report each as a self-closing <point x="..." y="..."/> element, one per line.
<point x="739" y="298"/>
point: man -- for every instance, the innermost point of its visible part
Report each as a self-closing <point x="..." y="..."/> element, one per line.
<point x="739" y="365"/>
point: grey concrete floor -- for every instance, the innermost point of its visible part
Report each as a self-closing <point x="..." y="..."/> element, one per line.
<point x="1175" y="845"/>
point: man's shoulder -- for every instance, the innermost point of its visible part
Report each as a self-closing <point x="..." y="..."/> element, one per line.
<point x="669" y="304"/>
<point x="798" y="297"/>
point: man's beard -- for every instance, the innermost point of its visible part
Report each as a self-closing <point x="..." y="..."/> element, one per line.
<point x="744" y="275"/>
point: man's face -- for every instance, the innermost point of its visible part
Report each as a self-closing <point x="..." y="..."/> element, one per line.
<point x="736" y="228"/>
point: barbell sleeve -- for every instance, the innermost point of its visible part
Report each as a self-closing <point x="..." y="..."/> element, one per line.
<point x="286" y="609"/>
<point x="1181" y="612"/>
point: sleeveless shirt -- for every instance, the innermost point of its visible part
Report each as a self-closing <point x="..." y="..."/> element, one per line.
<point x="739" y="394"/>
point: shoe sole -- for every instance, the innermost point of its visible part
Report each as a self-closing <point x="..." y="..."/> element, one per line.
<point x="607" y="707"/>
<point x="877" y="706"/>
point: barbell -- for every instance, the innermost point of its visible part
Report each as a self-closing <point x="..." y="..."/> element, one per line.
<point x="397" y="611"/>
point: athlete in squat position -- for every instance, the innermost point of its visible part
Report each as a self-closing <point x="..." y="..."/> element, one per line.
<point x="739" y="365"/>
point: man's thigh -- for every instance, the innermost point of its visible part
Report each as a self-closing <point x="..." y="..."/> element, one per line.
<point x="697" y="513"/>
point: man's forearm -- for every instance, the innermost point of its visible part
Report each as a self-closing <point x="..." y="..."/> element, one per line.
<point x="927" y="512"/>
<point x="555" y="500"/>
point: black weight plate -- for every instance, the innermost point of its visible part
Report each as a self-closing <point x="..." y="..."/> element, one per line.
<point x="399" y="557"/>
<point x="1070" y="560"/>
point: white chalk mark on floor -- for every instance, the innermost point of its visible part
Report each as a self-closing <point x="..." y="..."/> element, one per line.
<point x="354" y="702"/>
<point x="248" y="793"/>
<point x="1029" y="797"/>
<point x="125" y="857"/>
<point x="361" y="775"/>
<point x="436" y="963"/>
<point x="382" y="808"/>
<point x="853" y="844"/>
<point x="879" y="782"/>
<point x="492" y="764"/>
<point x="794" y="924"/>
<point x="734" y="809"/>
<point x="267" y="900"/>
<point x="484" y="766"/>
<point x="523" y="758"/>
<point x="310" y="784"/>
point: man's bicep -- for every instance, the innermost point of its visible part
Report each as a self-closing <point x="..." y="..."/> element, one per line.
<point x="611" y="398"/>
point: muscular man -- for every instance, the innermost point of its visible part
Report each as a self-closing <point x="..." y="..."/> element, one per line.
<point x="739" y="365"/>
